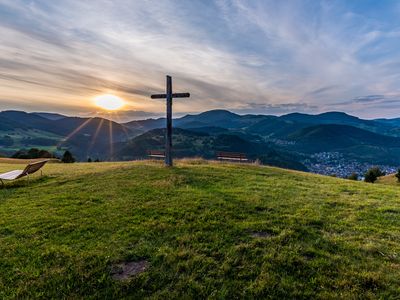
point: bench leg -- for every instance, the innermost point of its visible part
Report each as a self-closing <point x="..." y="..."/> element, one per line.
<point x="2" y="183"/>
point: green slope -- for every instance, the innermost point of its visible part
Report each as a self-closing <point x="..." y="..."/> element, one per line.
<point x="193" y="143"/>
<point x="205" y="229"/>
<point x="29" y="138"/>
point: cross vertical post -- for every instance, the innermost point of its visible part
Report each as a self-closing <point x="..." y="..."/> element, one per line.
<point x="168" y="133"/>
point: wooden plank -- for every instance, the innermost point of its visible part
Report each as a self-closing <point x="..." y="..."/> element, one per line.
<point x="158" y="96"/>
<point x="235" y="156"/>
<point x="232" y="158"/>
<point x="181" y="95"/>
<point x="11" y="175"/>
<point x="231" y="154"/>
<point x="156" y="153"/>
<point x="175" y="95"/>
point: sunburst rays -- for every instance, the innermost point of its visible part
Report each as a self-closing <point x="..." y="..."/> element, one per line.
<point x="102" y="122"/>
<point x="75" y="131"/>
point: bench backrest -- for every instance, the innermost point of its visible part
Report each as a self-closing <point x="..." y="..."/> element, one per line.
<point x="34" y="167"/>
<point x="236" y="155"/>
<point x="155" y="153"/>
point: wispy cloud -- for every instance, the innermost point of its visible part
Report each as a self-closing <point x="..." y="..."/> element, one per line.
<point x="252" y="56"/>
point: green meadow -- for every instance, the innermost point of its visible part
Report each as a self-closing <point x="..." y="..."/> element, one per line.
<point x="201" y="229"/>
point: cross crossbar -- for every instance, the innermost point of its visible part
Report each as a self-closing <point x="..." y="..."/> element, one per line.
<point x="175" y="95"/>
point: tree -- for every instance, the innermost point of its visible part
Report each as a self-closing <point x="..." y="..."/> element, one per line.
<point x="372" y="174"/>
<point x="89" y="160"/>
<point x="353" y="176"/>
<point x="67" y="157"/>
<point x="97" y="160"/>
<point x="398" y="175"/>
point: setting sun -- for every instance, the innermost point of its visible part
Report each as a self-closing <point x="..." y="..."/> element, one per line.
<point x="109" y="102"/>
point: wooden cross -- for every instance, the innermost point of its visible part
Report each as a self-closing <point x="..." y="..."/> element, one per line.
<point x="168" y="137"/>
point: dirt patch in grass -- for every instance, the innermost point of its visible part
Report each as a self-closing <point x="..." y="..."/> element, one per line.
<point x="127" y="270"/>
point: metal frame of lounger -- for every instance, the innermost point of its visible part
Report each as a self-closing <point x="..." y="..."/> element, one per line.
<point x="16" y="174"/>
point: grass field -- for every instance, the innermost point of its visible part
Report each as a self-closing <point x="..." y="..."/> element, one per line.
<point x="203" y="229"/>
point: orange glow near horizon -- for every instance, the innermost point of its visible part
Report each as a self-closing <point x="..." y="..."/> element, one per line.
<point x="109" y="102"/>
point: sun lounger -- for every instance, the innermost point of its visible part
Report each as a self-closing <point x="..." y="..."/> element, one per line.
<point x="16" y="174"/>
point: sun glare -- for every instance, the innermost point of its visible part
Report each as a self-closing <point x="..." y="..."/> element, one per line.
<point x="109" y="102"/>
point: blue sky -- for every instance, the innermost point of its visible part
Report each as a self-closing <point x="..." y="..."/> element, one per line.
<point x="258" y="56"/>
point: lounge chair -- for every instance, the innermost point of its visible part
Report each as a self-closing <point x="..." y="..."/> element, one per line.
<point x="16" y="174"/>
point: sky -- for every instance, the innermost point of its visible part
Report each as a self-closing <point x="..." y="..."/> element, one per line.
<point x="257" y="56"/>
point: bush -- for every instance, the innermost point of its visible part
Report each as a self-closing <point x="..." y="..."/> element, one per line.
<point x="68" y="158"/>
<point x="372" y="174"/>
<point x="398" y="175"/>
<point x="353" y="176"/>
<point x="89" y="160"/>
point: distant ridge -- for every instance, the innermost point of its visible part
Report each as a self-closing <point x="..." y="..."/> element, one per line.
<point x="50" y="116"/>
<point x="291" y="138"/>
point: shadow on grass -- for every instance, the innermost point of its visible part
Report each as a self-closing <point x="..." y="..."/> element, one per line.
<point x="24" y="183"/>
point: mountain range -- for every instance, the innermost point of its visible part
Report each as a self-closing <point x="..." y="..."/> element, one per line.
<point x="286" y="140"/>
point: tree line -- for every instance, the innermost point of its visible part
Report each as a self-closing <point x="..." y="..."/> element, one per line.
<point x="372" y="175"/>
<point x="35" y="153"/>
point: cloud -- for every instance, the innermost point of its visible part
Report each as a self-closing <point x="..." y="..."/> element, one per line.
<point x="123" y="116"/>
<point x="369" y="98"/>
<point x="272" y="56"/>
<point x="276" y="109"/>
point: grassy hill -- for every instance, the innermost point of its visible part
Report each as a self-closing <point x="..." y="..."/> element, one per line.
<point x="201" y="229"/>
<point x="389" y="180"/>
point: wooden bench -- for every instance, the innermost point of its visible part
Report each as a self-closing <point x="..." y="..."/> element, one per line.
<point x="16" y="174"/>
<point x="232" y="156"/>
<point x="156" y="153"/>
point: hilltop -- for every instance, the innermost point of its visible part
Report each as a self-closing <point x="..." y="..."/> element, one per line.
<point x="201" y="229"/>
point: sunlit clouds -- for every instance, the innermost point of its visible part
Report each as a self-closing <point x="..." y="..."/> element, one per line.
<point x="247" y="56"/>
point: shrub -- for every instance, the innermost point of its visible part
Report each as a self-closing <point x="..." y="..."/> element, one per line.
<point x="398" y="175"/>
<point x="353" y="176"/>
<point x="67" y="157"/>
<point x="372" y="174"/>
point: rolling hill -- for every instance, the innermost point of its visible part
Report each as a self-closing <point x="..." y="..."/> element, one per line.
<point x="329" y="137"/>
<point x="189" y="143"/>
<point x="269" y="126"/>
<point x="213" y="118"/>
<point x="83" y="136"/>
<point x="291" y="138"/>
<point x="353" y="143"/>
<point x="198" y="230"/>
